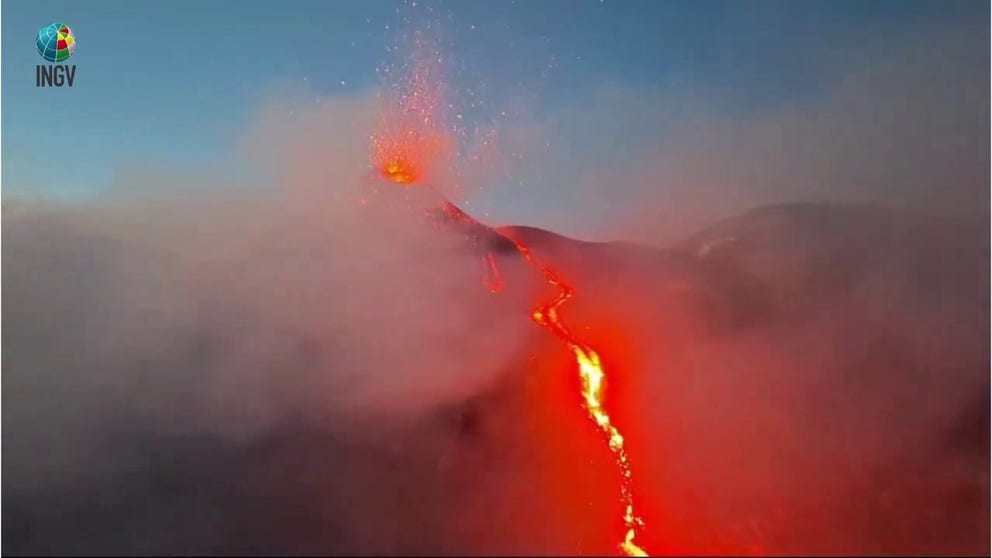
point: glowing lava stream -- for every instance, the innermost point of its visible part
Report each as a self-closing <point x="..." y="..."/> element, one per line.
<point x="593" y="378"/>
<point x="412" y="140"/>
<point x="590" y="369"/>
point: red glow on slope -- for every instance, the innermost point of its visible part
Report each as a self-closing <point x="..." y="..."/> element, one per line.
<point x="411" y="142"/>
<point x="589" y="366"/>
<point x="593" y="378"/>
<point x="493" y="279"/>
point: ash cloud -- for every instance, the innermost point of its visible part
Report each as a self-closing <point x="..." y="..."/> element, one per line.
<point x="199" y="365"/>
<point x="187" y="357"/>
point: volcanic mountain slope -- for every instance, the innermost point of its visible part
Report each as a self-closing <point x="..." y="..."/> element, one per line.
<point x="805" y="376"/>
<point x="824" y="365"/>
<point x="797" y="379"/>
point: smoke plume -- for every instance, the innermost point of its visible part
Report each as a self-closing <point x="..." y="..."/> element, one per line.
<point x="285" y="355"/>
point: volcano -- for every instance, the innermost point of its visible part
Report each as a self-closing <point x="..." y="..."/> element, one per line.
<point x="856" y="293"/>
<point x="803" y="378"/>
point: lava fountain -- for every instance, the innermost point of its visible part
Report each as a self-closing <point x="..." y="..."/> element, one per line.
<point x="412" y="137"/>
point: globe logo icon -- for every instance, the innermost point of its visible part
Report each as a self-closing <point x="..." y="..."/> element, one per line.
<point x="56" y="42"/>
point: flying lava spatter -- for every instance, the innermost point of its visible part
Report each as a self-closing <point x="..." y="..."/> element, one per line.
<point x="413" y="137"/>
<point x="411" y="140"/>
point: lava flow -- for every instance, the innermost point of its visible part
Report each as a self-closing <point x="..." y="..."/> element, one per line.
<point x="411" y="141"/>
<point x="588" y="363"/>
<point x="589" y="366"/>
<point x="593" y="384"/>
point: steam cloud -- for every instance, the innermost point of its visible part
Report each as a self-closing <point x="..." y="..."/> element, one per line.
<point x="198" y="365"/>
<point x="140" y="329"/>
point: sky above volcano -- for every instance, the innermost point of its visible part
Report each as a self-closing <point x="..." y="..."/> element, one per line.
<point x="597" y="94"/>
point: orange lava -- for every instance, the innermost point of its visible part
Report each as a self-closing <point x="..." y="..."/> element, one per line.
<point x="411" y="141"/>
<point x="593" y="378"/>
<point x="588" y="364"/>
<point x="400" y="171"/>
<point x="412" y="137"/>
<point x="406" y="156"/>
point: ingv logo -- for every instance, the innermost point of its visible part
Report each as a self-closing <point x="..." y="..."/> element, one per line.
<point x="55" y="43"/>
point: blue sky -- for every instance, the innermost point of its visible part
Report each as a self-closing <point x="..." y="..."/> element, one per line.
<point x="173" y="82"/>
